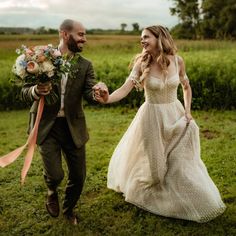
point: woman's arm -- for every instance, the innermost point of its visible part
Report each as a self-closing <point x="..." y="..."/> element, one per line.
<point x="124" y="90"/>
<point x="187" y="91"/>
<point x="121" y="92"/>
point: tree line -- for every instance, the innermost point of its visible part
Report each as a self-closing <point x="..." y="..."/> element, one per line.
<point x="207" y="19"/>
<point x="198" y="19"/>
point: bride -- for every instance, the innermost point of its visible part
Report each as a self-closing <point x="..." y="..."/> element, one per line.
<point x="157" y="163"/>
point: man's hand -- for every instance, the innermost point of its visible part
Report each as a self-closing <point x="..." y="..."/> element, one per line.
<point x="43" y="89"/>
<point x="101" y="93"/>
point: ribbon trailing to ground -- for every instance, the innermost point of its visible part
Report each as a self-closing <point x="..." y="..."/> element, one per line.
<point x="31" y="142"/>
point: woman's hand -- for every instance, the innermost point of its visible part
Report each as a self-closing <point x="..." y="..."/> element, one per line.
<point x="188" y="117"/>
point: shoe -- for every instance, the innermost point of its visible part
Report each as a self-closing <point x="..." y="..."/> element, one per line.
<point x="52" y="205"/>
<point x="71" y="219"/>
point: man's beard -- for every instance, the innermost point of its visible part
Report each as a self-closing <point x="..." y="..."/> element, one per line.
<point x="72" y="45"/>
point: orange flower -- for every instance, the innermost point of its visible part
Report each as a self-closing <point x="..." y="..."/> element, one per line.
<point x="41" y="58"/>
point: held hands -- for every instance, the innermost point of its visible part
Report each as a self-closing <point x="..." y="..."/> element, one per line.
<point x="43" y="89"/>
<point x="100" y="92"/>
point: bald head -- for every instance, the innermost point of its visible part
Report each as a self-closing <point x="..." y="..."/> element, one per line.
<point x="68" y="25"/>
<point x="72" y="35"/>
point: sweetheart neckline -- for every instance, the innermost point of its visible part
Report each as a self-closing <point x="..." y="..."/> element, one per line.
<point x="155" y="77"/>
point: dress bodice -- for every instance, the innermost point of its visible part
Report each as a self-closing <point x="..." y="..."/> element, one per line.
<point x="158" y="91"/>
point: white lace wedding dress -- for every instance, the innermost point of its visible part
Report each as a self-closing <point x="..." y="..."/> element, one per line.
<point x="157" y="164"/>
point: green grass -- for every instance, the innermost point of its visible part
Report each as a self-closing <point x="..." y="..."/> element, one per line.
<point x="102" y="211"/>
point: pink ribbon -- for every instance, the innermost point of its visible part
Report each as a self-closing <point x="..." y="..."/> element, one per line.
<point x="31" y="142"/>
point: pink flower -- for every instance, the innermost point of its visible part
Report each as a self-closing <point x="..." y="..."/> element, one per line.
<point x="32" y="67"/>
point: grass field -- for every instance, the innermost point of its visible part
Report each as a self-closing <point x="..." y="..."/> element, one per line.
<point x="102" y="211"/>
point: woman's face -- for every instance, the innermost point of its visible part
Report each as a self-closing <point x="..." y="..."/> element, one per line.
<point x="148" y="42"/>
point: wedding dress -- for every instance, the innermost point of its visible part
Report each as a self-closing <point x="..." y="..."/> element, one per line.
<point x="157" y="164"/>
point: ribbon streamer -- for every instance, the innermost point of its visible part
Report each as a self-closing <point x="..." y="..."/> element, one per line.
<point x="31" y="142"/>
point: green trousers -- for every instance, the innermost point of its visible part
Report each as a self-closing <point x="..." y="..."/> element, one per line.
<point x="58" y="142"/>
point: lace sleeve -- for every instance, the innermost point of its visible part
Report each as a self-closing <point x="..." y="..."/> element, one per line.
<point x="135" y="78"/>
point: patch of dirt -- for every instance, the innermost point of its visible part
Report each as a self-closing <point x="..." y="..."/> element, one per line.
<point x="209" y="134"/>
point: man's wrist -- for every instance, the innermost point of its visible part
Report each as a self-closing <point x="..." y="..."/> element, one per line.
<point x="35" y="94"/>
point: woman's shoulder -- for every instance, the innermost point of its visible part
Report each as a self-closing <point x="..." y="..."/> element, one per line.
<point x="179" y="59"/>
<point x="181" y="63"/>
<point x="137" y="65"/>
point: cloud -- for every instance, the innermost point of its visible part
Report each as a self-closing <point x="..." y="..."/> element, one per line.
<point x="105" y="14"/>
<point x="9" y="5"/>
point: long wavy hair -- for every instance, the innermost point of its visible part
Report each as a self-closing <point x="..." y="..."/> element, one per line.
<point x="165" y="47"/>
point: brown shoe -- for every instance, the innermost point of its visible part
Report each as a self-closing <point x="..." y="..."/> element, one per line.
<point x="52" y="205"/>
<point x="71" y="219"/>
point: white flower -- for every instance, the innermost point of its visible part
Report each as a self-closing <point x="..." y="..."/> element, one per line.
<point x="20" y="66"/>
<point x="46" y="67"/>
<point x="55" y="53"/>
<point x="18" y="51"/>
<point x="50" y="73"/>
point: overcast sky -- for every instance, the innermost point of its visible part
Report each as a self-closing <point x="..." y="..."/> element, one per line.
<point x="104" y="14"/>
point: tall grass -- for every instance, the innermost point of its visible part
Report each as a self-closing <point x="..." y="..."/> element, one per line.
<point x="210" y="65"/>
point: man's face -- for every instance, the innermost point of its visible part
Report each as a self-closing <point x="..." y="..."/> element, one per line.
<point x="77" y="38"/>
<point x="72" y="45"/>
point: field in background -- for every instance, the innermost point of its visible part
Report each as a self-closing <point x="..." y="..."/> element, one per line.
<point x="211" y="67"/>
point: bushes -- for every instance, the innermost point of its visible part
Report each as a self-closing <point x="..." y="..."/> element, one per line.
<point x="213" y="80"/>
<point x="212" y="77"/>
<point x="9" y="97"/>
<point x="210" y="65"/>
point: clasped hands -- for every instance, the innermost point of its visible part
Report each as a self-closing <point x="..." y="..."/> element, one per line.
<point x="100" y="92"/>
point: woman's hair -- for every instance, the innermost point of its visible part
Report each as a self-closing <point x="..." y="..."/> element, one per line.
<point x="165" y="47"/>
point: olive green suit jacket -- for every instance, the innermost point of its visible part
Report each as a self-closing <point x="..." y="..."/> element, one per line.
<point x="79" y="85"/>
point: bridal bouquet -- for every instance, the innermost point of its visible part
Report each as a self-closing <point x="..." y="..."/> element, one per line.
<point x="39" y="64"/>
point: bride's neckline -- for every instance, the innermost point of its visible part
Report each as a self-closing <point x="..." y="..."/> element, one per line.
<point x="164" y="80"/>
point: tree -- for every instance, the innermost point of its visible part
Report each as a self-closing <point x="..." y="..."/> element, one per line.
<point x="41" y="30"/>
<point x="189" y="14"/>
<point x="183" y="31"/>
<point x="123" y="26"/>
<point x="219" y="18"/>
<point x="135" y="27"/>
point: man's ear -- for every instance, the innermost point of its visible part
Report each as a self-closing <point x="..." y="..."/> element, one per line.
<point x="64" y="35"/>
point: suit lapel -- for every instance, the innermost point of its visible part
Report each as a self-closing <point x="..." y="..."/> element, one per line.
<point x="75" y="74"/>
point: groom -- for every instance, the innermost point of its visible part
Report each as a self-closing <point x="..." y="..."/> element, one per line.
<point x="62" y="128"/>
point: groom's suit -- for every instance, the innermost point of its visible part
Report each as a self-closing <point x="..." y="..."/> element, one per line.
<point x="79" y="84"/>
<point x="68" y="134"/>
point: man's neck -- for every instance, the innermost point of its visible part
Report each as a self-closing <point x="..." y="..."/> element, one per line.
<point x="64" y="50"/>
